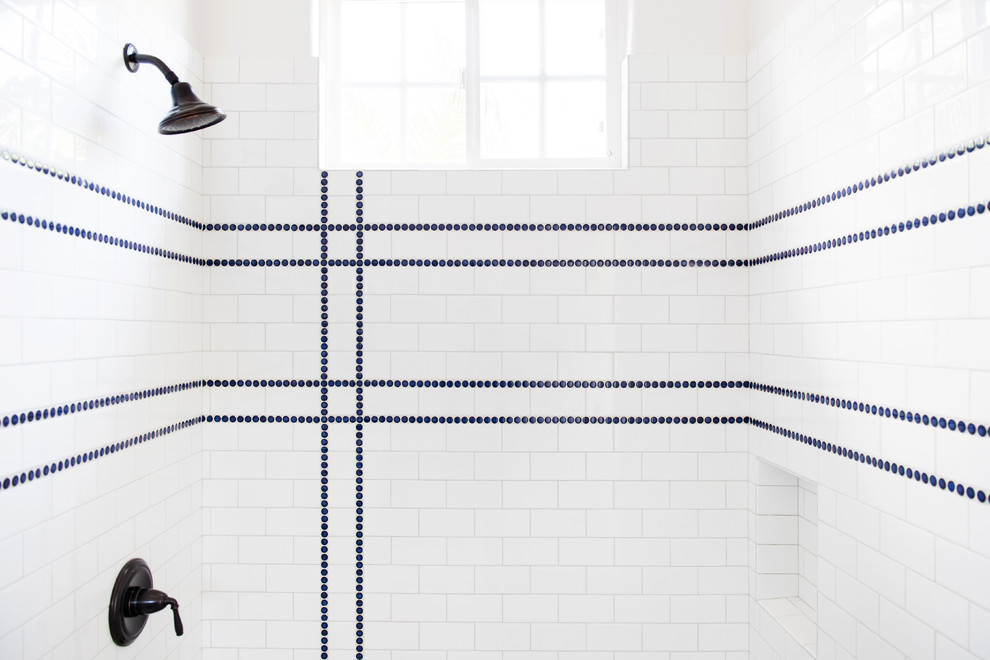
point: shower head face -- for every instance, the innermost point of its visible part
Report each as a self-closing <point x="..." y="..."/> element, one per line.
<point x="188" y="112"/>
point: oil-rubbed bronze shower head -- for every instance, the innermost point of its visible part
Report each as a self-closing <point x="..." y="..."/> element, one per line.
<point x="188" y="112"/>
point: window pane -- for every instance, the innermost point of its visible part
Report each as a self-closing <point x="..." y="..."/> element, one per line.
<point x="576" y="120"/>
<point x="510" y="37"/>
<point x="510" y="120"/>
<point x="434" y="42"/>
<point x="575" y="37"/>
<point x="370" y="125"/>
<point x="370" y="40"/>
<point x="435" y="125"/>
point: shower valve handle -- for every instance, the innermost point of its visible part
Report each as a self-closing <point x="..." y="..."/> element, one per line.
<point x="149" y="601"/>
<point x="133" y="598"/>
<point x="176" y="621"/>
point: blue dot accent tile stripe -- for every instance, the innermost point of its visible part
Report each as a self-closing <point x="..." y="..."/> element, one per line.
<point x="887" y="412"/>
<point x="541" y="263"/>
<point x="262" y="383"/>
<point x="924" y="419"/>
<point x="86" y="184"/>
<point x="264" y="262"/>
<point x="532" y="227"/>
<point x="50" y="412"/>
<point x="324" y="424"/>
<point x="879" y="232"/>
<point x="558" y="384"/>
<point x="534" y="419"/>
<point x="68" y="230"/>
<point x="875" y="462"/>
<point x="273" y="227"/>
<point x="51" y="468"/>
<point x="548" y="419"/>
<point x="959" y="150"/>
<point x="359" y="414"/>
<point x="264" y="419"/>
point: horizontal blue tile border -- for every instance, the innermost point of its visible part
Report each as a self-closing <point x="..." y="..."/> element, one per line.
<point x="939" y="482"/>
<point x="886" y="412"/>
<point x="554" y="384"/>
<point x="541" y="227"/>
<point x="271" y="227"/>
<point x="274" y="263"/>
<point x="68" y="230"/>
<point x="263" y="383"/>
<point x="959" y="150"/>
<point x="871" y="234"/>
<point x="96" y="188"/>
<point x="50" y="412"/>
<point x="536" y="419"/>
<point x="543" y="263"/>
<point x="94" y="454"/>
<point x="875" y="462"/>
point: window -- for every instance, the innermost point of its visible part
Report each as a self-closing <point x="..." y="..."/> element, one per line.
<point x="471" y="83"/>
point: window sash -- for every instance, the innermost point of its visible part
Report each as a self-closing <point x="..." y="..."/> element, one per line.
<point x="472" y="81"/>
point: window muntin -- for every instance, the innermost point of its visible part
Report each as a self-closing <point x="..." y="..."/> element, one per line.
<point x="473" y="84"/>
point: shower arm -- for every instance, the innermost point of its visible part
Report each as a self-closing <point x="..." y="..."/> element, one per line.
<point x="133" y="58"/>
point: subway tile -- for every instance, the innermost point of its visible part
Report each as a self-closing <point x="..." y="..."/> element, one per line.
<point x="696" y="67"/>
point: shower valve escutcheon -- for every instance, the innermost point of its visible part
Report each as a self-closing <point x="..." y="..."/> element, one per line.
<point x="133" y="599"/>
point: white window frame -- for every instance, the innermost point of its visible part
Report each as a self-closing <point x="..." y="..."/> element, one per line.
<point x="330" y="109"/>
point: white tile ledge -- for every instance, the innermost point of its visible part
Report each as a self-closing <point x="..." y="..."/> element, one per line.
<point x="797" y="619"/>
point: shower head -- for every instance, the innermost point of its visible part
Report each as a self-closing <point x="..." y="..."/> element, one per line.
<point x="188" y="112"/>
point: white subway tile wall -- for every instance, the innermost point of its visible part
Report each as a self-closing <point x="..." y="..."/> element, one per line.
<point x="262" y="335"/>
<point x="843" y="93"/>
<point x="522" y="491"/>
<point x="553" y="458"/>
<point x="101" y="436"/>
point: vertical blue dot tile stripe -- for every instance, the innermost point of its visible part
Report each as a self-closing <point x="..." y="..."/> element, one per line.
<point x="324" y="424"/>
<point x="72" y="179"/>
<point x="359" y="414"/>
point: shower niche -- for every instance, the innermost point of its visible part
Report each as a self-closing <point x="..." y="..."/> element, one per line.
<point x="785" y="559"/>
